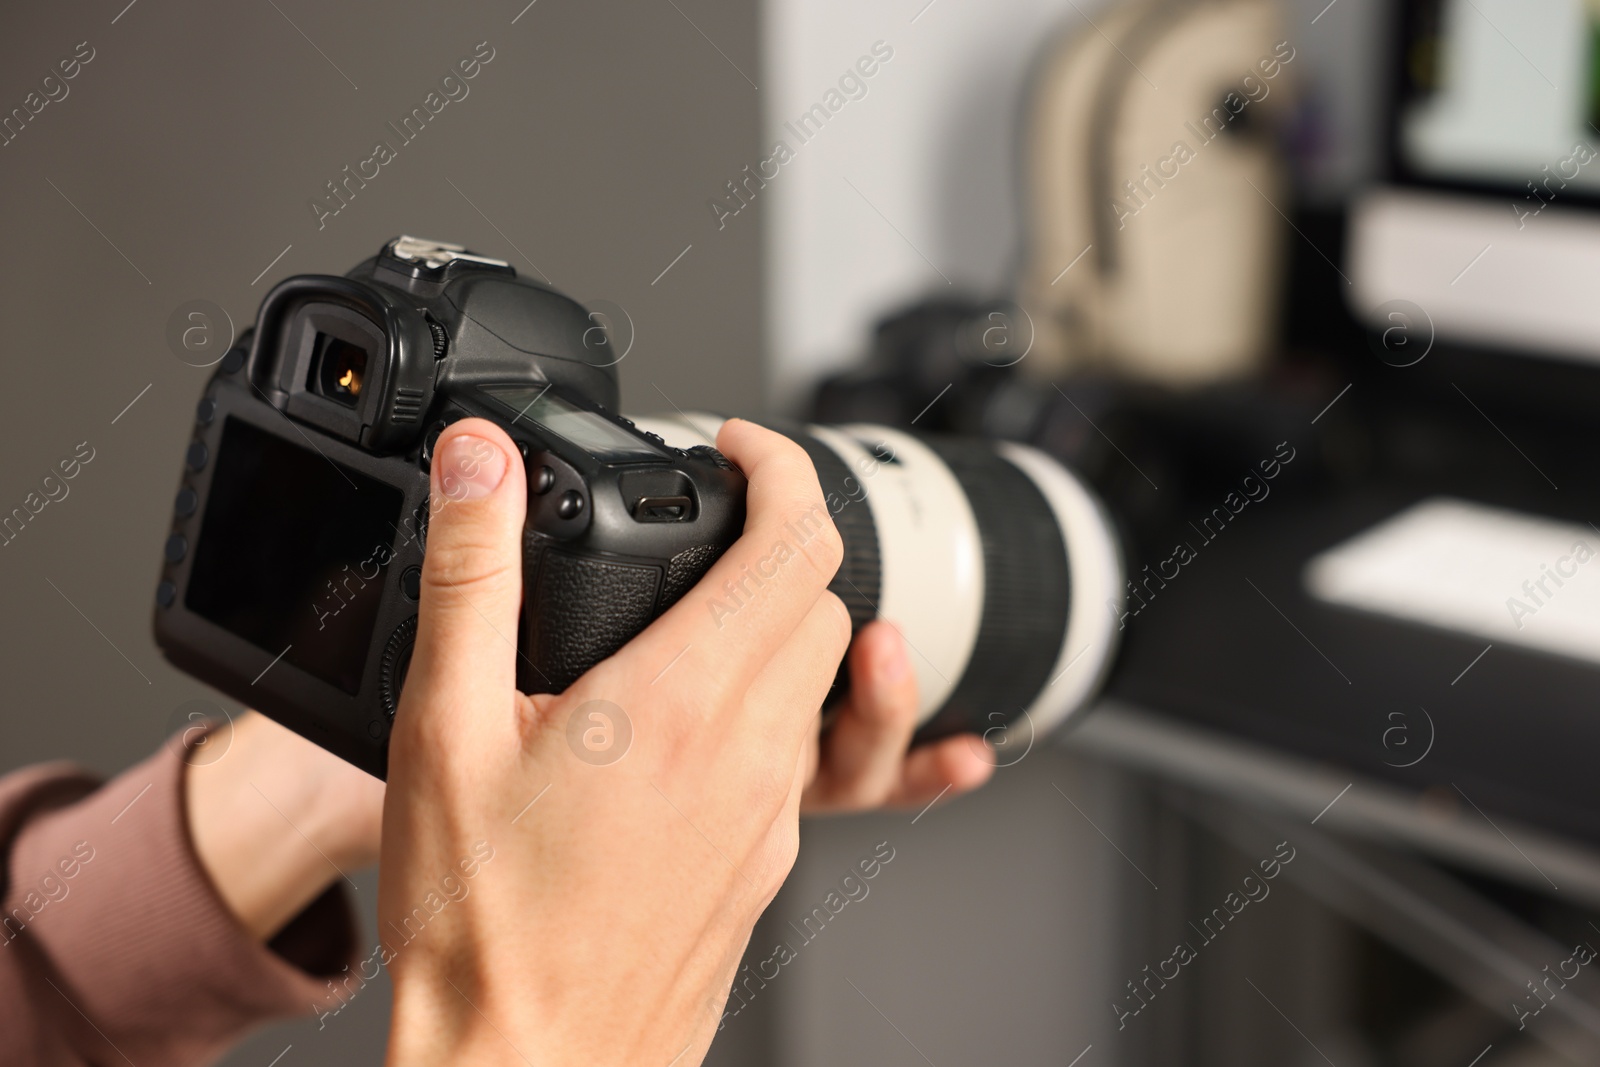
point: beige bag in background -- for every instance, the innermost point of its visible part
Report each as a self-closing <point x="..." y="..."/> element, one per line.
<point x="1153" y="239"/>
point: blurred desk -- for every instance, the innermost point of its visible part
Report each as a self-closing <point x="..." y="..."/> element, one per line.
<point x="1253" y="774"/>
<point x="1234" y="678"/>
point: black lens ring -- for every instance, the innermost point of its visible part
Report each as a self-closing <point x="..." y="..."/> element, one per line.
<point x="859" y="582"/>
<point x="1027" y="592"/>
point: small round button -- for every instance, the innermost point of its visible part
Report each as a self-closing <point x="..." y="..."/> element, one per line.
<point x="429" y="440"/>
<point x="205" y="411"/>
<point x="188" y="500"/>
<point x="177" y="548"/>
<point x="411" y="583"/>
<point x="571" y="505"/>
<point x="166" y="593"/>
<point x="544" y="479"/>
<point x="233" y="361"/>
<point x="197" y="455"/>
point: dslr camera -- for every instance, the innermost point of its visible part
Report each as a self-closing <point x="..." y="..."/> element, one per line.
<point x="292" y="569"/>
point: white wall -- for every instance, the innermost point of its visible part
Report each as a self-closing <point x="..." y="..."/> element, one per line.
<point x="931" y="153"/>
<point x="931" y="147"/>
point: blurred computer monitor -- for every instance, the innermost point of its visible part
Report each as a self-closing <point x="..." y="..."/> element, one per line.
<point x="1491" y="221"/>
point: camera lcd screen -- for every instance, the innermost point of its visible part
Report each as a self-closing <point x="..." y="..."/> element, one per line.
<point x="293" y="552"/>
<point x="589" y="430"/>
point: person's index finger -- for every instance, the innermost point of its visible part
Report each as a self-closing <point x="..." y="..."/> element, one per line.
<point x="784" y="506"/>
<point x="755" y="596"/>
<point x="782" y="478"/>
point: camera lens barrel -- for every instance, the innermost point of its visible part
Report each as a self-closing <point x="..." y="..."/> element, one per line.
<point x="997" y="564"/>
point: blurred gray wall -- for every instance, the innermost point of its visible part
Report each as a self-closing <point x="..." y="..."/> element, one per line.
<point x="994" y="936"/>
<point x="181" y="164"/>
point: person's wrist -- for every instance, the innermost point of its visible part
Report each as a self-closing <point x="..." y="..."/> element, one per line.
<point x="274" y="823"/>
<point x="338" y="807"/>
<point x="308" y="788"/>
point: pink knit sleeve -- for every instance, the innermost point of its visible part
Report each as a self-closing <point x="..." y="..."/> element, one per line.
<point x="114" y="946"/>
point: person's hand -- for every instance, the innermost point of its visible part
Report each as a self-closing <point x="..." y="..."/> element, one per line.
<point x="550" y="892"/>
<point x="863" y="762"/>
<point x="276" y="819"/>
<point x="284" y="818"/>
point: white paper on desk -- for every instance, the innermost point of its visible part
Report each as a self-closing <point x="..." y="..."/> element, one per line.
<point x="1501" y="575"/>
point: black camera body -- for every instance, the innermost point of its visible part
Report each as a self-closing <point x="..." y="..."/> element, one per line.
<point x="292" y="570"/>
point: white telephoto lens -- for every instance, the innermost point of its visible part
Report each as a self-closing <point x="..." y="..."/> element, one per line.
<point x="997" y="564"/>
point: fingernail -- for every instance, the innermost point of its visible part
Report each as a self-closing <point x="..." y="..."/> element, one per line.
<point x="468" y="468"/>
<point x="893" y="665"/>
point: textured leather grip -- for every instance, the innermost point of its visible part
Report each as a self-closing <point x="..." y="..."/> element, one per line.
<point x="578" y="610"/>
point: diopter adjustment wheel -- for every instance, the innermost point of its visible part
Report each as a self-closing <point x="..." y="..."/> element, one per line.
<point x="706" y="452"/>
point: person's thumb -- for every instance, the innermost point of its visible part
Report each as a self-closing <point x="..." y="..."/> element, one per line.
<point x="466" y="648"/>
